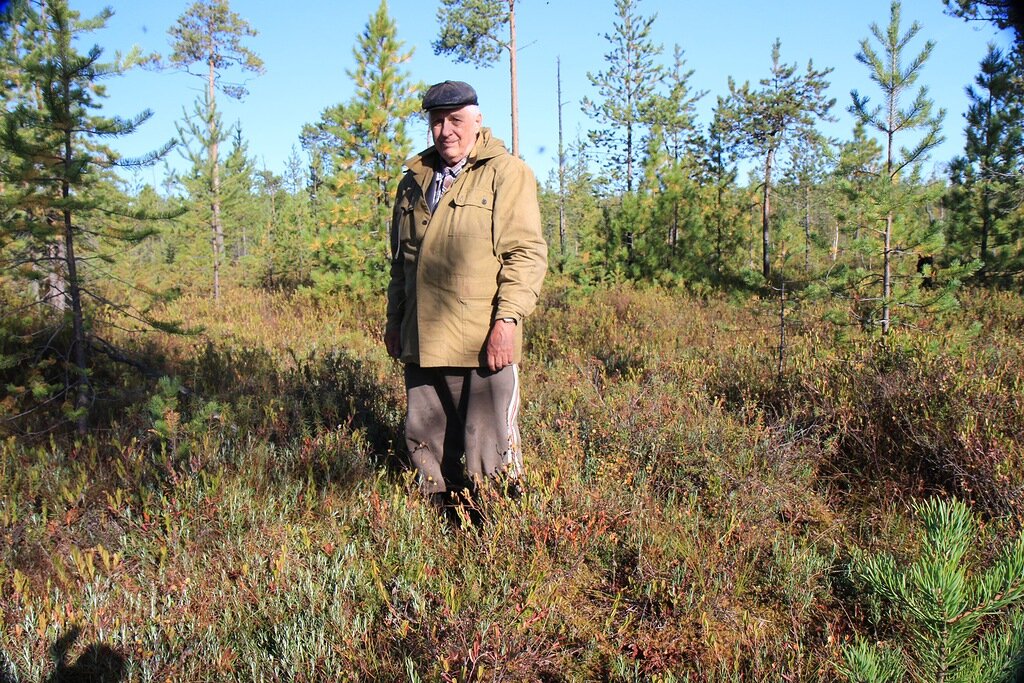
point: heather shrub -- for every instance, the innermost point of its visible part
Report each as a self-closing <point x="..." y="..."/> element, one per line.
<point x="911" y="412"/>
<point x="687" y="511"/>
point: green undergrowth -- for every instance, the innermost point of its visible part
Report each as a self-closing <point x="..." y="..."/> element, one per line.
<point x="689" y="513"/>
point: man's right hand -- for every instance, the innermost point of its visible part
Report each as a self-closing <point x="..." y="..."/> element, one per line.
<point x="393" y="342"/>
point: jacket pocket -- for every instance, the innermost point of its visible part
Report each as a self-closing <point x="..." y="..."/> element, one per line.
<point x="473" y="214"/>
<point x="477" y="304"/>
<point x="407" y="231"/>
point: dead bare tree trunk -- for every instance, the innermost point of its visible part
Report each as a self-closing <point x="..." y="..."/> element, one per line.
<point x="835" y="243"/>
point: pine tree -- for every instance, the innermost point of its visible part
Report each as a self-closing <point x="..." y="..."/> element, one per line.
<point x="210" y="34"/>
<point x="626" y="90"/>
<point x="722" y="211"/>
<point x="364" y="142"/>
<point x="585" y="244"/>
<point x="281" y="258"/>
<point x="764" y="121"/>
<point x="1002" y="13"/>
<point x="671" y="167"/>
<point x="470" y="30"/>
<point x="804" y="176"/>
<point x="894" y="195"/>
<point x="956" y="621"/>
<point x="60" y="217"/>
<point x="859" y="165"/>
<point x="240" y="203"/>
<point x="988" y="180"/>
<point x="195" y="258"/>
<point x="673" y="116"/>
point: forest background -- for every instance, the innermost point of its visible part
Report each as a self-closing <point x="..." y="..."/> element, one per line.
<point x="775" y="379"/>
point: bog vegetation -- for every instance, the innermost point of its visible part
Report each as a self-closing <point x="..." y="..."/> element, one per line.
<point x="772" y="426"/>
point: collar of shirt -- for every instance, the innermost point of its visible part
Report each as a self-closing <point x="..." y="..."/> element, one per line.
<point x="440" y="186"/>
<point x="453" y="171"/>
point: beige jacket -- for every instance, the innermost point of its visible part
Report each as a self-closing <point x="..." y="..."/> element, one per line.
<point x="481" y="256"/>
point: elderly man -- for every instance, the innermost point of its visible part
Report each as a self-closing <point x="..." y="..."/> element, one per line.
<point x="468" y="260"/>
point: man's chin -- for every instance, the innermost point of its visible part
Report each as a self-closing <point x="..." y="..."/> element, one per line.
<point x="450" y="156"/>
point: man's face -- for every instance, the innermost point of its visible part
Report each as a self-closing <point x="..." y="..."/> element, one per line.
<point x="454" y="132"/>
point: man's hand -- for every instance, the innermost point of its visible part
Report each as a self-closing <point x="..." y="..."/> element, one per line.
<point x="501" y="345"/>
<point x="393" y="342"/>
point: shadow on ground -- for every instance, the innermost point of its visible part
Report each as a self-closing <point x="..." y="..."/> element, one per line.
<point x="97" y="664"/>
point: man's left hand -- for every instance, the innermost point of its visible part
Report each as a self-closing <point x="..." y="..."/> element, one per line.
<point x="501" y="345"/>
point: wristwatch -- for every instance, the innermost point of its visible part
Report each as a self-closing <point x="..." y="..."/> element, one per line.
<point x="509" y="320"/>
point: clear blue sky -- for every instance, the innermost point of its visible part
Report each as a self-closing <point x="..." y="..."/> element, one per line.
<point x="307" y="46"/>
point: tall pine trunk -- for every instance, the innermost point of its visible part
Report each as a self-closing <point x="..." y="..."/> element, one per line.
<point x="807" y="228"/>
<point x="78" y="354"/>
<point x="74" y="293"/>
<point x="512" y="75"/>
<point x="887" y="238"/>
<point x="53" y="288"/>
<point x="561" y="167"/>
<point x="766" y="266"/>
<point x="217" y="237"/>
